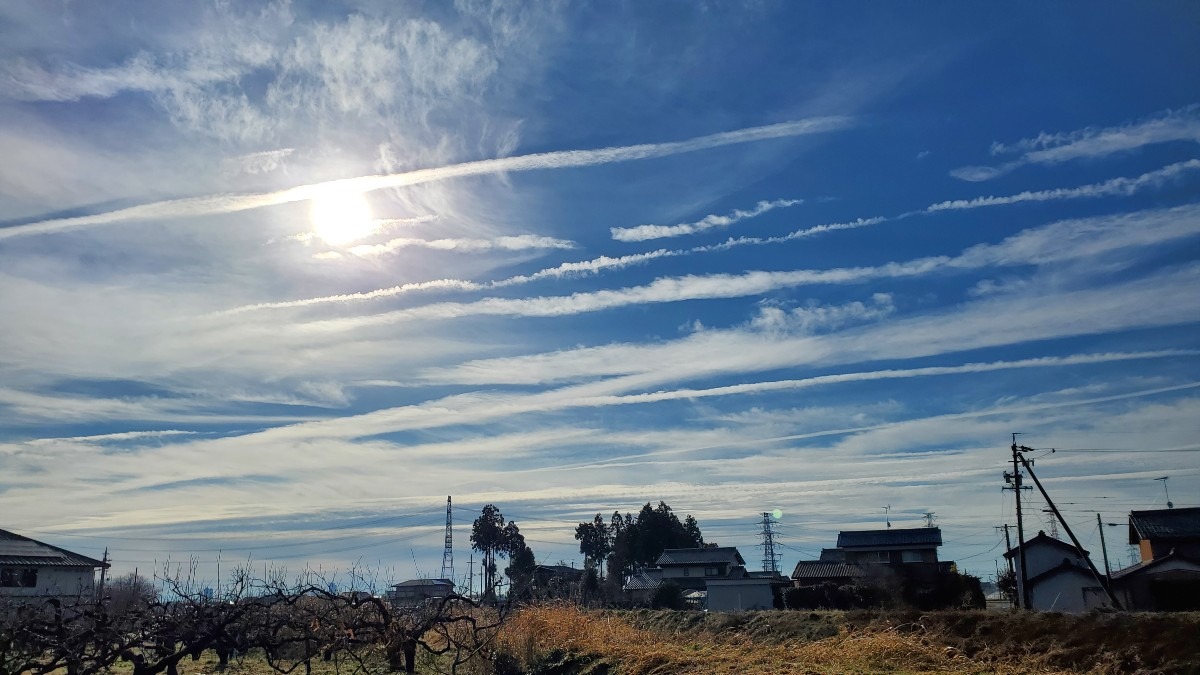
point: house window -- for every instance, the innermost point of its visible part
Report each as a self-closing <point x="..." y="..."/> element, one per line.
<point x="18" y="578"/>
<point x="875" y="557"/>
<point x="911" y="556"/>
<point x="710" y="572"/>
<point x="687" y="571"/>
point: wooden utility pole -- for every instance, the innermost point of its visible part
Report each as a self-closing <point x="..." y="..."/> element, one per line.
<point x="1078" y="547"/>
<point x="1104" y="549"/>
<point x="103" y="575"/>
<point x="1014" y="479"/>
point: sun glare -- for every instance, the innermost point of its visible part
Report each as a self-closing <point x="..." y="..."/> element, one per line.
<point x="341" y="218"/>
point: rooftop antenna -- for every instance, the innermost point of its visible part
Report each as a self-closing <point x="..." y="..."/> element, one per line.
<point x="1165" y="490"/>
<point x="929" y="518"/>
<point x="448" y="553"/>
<point x="886" y="518"/>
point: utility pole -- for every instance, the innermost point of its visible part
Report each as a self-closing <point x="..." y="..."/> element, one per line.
<point x="1079" y="547"/>
<point x="770" y="560"/>
<point x="1007" y="546"/>
<point x="103" y="575"/>
<point x="1104" y="548"/>
<point x="887" y="519"/>
<point x="471" y="575"/>
<point x="1014" y="481"/>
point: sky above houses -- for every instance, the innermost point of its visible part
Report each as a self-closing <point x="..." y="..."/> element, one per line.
<point x="275" y="279"/>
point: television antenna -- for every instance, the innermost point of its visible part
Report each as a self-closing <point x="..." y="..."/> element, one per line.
<point x="1166" y="491"/>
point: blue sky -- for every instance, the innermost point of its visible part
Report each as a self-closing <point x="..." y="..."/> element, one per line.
<point x="277" y="278"/>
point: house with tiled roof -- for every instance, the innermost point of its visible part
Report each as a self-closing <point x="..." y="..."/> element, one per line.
<point x="1168" y="576"/>
<point x="1157" y="533"/>
<point x="34" y="569"/>
<point x="716" y="574"/>
<point x="910" y="553"/>
<point x="414" y="592"/>
<point x="1058" y="576"/>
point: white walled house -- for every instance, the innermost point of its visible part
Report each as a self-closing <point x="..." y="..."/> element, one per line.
<point x="1059" y="578"/>
<point x="716" y="574"/>
<point x="30" y="569"/>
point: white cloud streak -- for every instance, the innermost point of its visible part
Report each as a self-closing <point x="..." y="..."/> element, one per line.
<point x="1120" y="186"/>
<point x="709" y="222"/>
<point x="218" y="204"/>
<point x="522" y="242"/>
<point x="1089" y="143"/>
<point x="1064" y="240"/>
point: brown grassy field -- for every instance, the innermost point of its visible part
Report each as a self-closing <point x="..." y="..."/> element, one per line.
<point x="563" y="639"/>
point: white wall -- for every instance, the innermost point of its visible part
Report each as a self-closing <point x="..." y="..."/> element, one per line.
<point x="1064" y="592"/>
<point x="1042" y="558"/>
<point x="58" y="581"/>
<point x="739" y="594"/>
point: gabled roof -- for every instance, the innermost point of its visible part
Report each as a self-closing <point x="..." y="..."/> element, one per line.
<point x="18" y="550"/>
<point x="833" y="555"/>
<point x="643" y="580"/>
<point x="1169" y="524"/>
<point x="1042" y="539"/>
<point x="1066" y="566"/>
<point x="700" y="556"/>
<point x="819" y="569"/>
<point x="913" y="536"/>
<point x="424" y="582"/>
<point x="1149" y="564"/>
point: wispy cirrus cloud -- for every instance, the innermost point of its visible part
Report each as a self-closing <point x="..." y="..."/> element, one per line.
<point x="1120" y="186"/>
<point x="197" y="206"/>
<point x="1171" y="125"/>
<point x="522" y="242"/>
<point x="1064" y="240"/>
<point x="709" y="222"/>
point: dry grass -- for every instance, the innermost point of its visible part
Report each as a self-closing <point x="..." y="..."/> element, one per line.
<point x="535" y="633"/>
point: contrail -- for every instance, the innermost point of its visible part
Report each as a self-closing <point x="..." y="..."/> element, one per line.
<point x="230" y="203"/>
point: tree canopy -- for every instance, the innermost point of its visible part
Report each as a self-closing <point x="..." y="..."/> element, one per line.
<point x="626" y="542"/>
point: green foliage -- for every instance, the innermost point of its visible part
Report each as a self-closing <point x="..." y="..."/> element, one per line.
<point x="668" y="596"/>
<point x="638" y="542"/>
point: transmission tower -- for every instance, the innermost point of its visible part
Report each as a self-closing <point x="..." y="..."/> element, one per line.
<point x="770" y="560"/>
<point x="448" y="554"/>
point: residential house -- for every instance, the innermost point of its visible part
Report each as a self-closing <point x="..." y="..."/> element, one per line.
<point x="415" y="592"/>
<point x="1058" y="576"/>
<point x="34" y="569"/>
<point x="715" y="576"/>
<point x="910" y="553"/>
<point x="1168" y="576"/>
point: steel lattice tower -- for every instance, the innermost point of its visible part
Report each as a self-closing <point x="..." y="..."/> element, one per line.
<point x="770" y="559"/>
<point x="448" y="553"/>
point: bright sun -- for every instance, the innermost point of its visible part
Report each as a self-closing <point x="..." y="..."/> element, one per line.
<point x="341" y="218"/>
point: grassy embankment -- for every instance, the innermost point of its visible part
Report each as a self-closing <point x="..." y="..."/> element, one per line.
<point x="561" y="640"/>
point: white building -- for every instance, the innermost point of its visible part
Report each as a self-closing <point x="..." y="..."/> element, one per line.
<point x="1059" y="578"/>
<point x="31" y="569"/>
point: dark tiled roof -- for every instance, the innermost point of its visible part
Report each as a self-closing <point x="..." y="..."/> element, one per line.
<point x="424" y="582"/>
<point x="18" y="550"/>
<point x="833" y="555"/>
<point x="915" y="536"/>
<point x="643" y="580"/>
<point x="1066" y="566"/>
<point x="817" y="569"/>
<point x="1042" y="539"/>
<point x="700" y="556"/>
<point x="1164" y="524"/>
<point x="1143" y="566"/>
